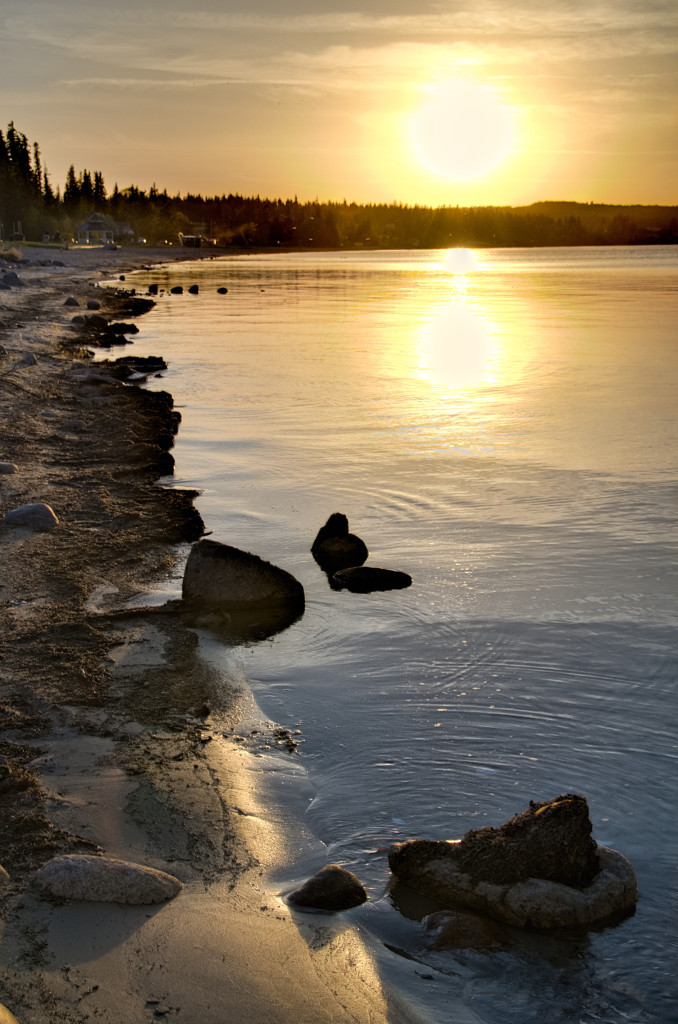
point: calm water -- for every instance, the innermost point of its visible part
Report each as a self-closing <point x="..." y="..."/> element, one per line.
<point x="502" y="425"/>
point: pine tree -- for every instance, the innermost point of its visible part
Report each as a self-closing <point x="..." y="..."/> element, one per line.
<point x="71" y="190"/>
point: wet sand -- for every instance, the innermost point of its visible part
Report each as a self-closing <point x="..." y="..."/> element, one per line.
<point x="108" y="740"/>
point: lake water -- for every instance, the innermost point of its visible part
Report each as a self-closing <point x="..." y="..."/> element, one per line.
<point x="503" y="426"/>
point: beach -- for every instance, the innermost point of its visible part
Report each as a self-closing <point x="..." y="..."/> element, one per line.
<point x="109" y="742"/>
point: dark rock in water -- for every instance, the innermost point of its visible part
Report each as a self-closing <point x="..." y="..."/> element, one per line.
<point x="365" y="579"/>
<point x="93" y="304"/>
<point x="332" y="888"/>
<point x="177" y="290"/>
<point x="335" y="548"/>
<point x="549" y="840"/>
<point x="122" y="328"/>
<point x="194" y="289"/>
<point x="222" y="291"/>
<point x="221" y="576"/>
<point x="153" y="289"/>
<point x="460" y="929"/>
<point x="71" y="301"/>
<point x="541" y="869"/>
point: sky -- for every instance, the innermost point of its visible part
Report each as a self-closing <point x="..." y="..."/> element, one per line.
<point x="450" y="103"/>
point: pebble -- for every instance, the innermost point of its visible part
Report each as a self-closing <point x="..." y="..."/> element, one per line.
<point x="34" y="516"/>
<point x="8" y="468"/>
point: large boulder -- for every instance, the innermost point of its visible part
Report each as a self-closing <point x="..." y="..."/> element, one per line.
<point x="335" y="548"/>
<point x="541" y="869"/>
<point x="34" y="516"/>
<point x="104" y="880"/>
<point x="332" y="888"/>
<point x="220" y="576"/>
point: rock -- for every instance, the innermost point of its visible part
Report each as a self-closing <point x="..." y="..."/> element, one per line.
<point x="541" y="869"/>
<point x="177" y="290"/>
<point x="4" y="354"/>
<point x="331" y="888"/>
<point x="364" y="579"/>
<point x="71" y="301"/>
<point x="6" y="1017"/>
<point x="152" y="289"/>
<point x="4" y="876"/>
<point x="220" y="576"/>
<point x="104" y="880"/>
<point x="7" y="468"/>
<point x="459" y="929"/>
<point x="194" y="289"/>
<point x="335" y="548"/>
<point x="11" y="278"/>
<point x="121" y="328"/>
<point x="93" y="304"/>
<point x="222" y="291"/>
<point x="35" y="516"/>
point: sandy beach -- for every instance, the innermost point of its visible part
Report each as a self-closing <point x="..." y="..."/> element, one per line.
<point x="109" y="744"/>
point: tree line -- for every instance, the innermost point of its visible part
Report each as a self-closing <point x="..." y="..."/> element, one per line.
<point x="32" y="209"/>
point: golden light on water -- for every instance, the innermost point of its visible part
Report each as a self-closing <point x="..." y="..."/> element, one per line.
<point x="456" y="347"/>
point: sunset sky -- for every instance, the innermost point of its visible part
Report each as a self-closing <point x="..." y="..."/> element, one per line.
<point x="446" y="103"/>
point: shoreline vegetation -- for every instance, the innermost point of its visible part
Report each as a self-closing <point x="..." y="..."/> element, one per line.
<point x="31" y="209"/>
<point x="109" y="743"/>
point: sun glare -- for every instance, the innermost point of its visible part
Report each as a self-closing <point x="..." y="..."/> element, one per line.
<point x="463" y="132"/>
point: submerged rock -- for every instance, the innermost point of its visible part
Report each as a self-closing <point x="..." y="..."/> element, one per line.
<point x="220" y="576"/>
<point x="104" y="880"/>
<point x="7" y="468"/>
<point x="460" y="929"/>
<point x="35" y="516"/>
<point x="335" y="548"/>
<point x="332" y="888"/>
<point x="365" y="579"/>
<point x="542" y="869"/>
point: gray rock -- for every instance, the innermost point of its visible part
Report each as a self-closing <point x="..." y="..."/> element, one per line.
<point x="221" y="576"/>
<point x="93" y="304"/>
<point x="540" y="870"/>
<point x="7" y="468"/>
<point x="35" y="516"/>
<point x="12" y="279"/>
<point x="4" y="876"/>
<point x="332" y="888"/>
<point x="364" y="579"/>
<point x="335" y="548"/>
<point x="71" y="301"/>
<point x="104" y="880"/>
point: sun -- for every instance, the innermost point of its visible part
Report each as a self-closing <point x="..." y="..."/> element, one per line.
<point x="463" y="132"/>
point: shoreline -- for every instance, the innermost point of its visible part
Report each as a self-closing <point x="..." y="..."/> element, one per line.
<point x="107" y="741"/>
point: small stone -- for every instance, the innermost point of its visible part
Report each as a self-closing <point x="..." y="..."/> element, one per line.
<point x="332" y="888"/>
<point x="194" y="289"/>
<point x="71" y="301"/>
<point x="35" y="516"/>
<point x="8" y="468"/>
<point x="104" y="880"/>
<point x="364" y="579"/>
<point x="177" y="290"/>
<point x="4" y="876"/>
<point x="222" y="291"/>
<point x="93" y="304"/>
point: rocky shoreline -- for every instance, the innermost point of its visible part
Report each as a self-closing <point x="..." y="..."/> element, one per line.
<point x="107" y="739"/>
